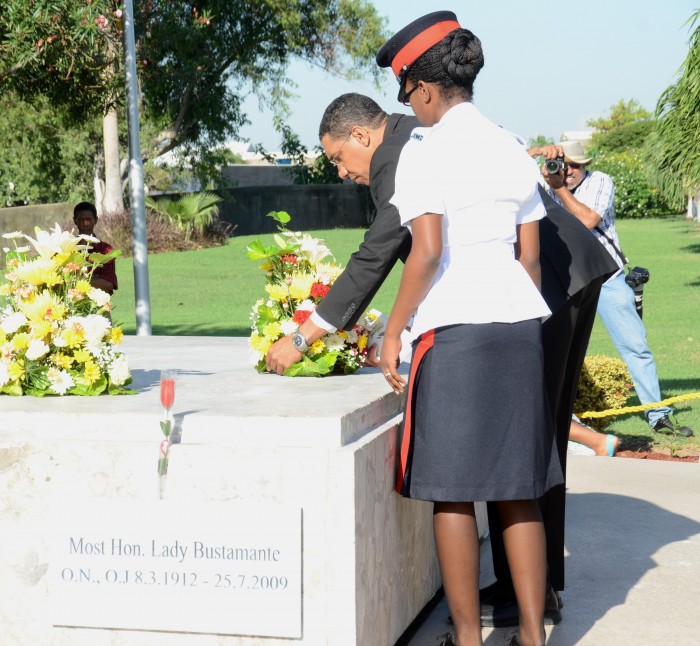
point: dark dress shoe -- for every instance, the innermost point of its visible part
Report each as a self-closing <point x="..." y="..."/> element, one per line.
<point x="504" y="612"/>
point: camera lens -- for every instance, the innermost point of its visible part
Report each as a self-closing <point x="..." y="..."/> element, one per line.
<point x="553" y="166"/>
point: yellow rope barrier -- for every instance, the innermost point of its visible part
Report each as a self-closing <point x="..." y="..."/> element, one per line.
<point x="638" y="409"/>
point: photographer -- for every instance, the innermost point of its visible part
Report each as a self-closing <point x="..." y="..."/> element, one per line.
<point x="589" y="195"/>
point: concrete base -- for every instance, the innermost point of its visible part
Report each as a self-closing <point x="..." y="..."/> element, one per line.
<point x="323" y="445"/>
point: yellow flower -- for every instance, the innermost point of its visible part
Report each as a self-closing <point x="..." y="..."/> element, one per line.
<point x="43" y="306"/>
<point x="268" y="265"/>
<point x="40" y="329"/>
<point x="317" y="347"/>
<point x="5" y="289"/>
<point x="81" y="356"/>
<point x="72" y="338"/>
<point x="16" y="370"/>
<point x="272" y="330"/>
<point x="362" y="342"/>
<point x="84" y="286"/>
<point x="115" y="335"/>
<point x="40" y="271"/>
<point x="62" y="360"/>
<point x="277" y="292"/>
<point x="3" y="337"/>
<point x="21" y="341"/>
<point x="301" y="286"/>
<point x="92" y="372"/>
<point x="343" y="334"/>
<point x="260" y="343"/>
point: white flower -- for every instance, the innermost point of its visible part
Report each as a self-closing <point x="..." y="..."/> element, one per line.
<point x="11" y="185"/>
<point x="100" y="297"/>
<point x="48" y="243"/>
<point x="37" y="348"/>
<point x="13" y="234"/>
<point x="313" y="249"/>
<point x="119" y="370"/>
<point x="334" y="341"/>
<point x="352" y="336"/>
<point x="306" y="305"/>
<point x="4" y="375"/>
<point x="288" y="326"/>
<point x="60" y="380"/>
<point x="13" y="323"/>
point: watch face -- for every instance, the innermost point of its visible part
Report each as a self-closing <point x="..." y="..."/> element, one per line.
<point x="298" y="341"/>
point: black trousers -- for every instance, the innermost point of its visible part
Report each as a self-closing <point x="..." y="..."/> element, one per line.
<point x="565" y="337"/>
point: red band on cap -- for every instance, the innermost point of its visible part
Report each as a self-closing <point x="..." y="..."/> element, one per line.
<point x="412" y="50"/>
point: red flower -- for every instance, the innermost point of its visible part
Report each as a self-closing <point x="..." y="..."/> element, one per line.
<point x="300" y="316"/>
<point x="319" y="290"/>
<point x="290" y="258"/>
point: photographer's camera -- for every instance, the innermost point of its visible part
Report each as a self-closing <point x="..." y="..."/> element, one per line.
<point x="553" y="166"/>
<point x="636" y="278"/>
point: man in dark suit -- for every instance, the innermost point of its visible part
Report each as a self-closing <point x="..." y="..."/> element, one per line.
<point x="365" y="143"/>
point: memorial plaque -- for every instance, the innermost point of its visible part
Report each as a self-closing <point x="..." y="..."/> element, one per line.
<point x="227" y="568"/>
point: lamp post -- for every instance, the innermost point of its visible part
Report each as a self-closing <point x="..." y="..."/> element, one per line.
<point x="136" y="188"/>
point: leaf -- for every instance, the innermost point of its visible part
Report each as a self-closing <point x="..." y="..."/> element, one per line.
<point x="317" y="367"/>
<point x="166" y="427"/>
<point x="280" y="216"/>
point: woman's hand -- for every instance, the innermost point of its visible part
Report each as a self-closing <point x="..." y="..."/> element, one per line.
<point x="389" y="363"/>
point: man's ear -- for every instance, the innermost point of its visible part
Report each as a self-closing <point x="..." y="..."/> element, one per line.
<point x="362" y="135"/>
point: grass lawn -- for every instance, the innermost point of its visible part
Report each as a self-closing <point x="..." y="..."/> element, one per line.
<point x="210" y="292"/>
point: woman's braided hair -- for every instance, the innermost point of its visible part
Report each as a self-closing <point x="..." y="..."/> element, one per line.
<point x="453" y="63"/>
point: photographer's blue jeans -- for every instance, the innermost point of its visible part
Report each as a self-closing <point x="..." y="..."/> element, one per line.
<point x="617" y="309"/>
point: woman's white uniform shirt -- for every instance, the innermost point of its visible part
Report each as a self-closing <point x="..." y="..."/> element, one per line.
<point x="482" y="181"/>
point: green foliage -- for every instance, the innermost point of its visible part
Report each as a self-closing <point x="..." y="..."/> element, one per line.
<point x="605" y="384"/>
<point x="43" y="157"/>
<point x="191" y="213"/>
<point x="634" y="197"/>
<point x="539" y="141"/>
<point x="673" y="152"/>
<point x="194" y="63"/>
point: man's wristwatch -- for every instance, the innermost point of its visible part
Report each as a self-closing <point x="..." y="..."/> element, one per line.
<point x="299" y="342"/>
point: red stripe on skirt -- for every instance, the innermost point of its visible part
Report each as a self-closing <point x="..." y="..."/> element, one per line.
<point x="424" y="344"/>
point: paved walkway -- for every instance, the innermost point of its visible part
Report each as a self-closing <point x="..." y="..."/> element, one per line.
<point x="633" y="558"/>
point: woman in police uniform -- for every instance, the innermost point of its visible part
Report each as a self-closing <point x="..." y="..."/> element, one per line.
<point x="476" y="426"/>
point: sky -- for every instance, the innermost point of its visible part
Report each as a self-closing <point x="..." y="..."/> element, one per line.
<point x="549" y="66"/>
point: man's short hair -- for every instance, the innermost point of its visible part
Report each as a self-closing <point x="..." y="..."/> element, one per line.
<point x="84" y="206"/>
<point x="347" y="111"/>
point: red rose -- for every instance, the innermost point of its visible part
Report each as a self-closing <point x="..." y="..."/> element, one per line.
<point x="300" y="316"/>
<point x="319" y="290"/>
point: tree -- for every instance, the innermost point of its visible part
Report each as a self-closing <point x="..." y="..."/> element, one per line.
<point x="625" y="128"/>
<point x="616" y="146"/>
<point x="673" y="149"/>
<point x="194" y="62"/>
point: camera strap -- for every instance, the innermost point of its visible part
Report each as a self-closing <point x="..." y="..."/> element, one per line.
<point x="618" y="251"/>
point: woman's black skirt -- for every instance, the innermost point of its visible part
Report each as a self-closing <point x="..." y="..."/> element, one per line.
<point x="477" y="425"/>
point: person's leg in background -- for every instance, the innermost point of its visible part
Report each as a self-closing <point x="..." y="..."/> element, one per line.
<point x="617" y="310"/>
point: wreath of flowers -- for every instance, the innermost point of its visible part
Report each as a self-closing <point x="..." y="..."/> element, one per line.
<point x="298" y="275"/>
<point x="56" y="333"/>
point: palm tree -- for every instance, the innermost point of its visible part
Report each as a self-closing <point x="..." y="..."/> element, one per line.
<point x="673" y="148"/>
<point x="192" y="212"/>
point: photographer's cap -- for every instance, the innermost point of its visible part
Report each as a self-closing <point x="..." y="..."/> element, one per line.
<point x="406" y="46"/>
<point x="574" y="153"/>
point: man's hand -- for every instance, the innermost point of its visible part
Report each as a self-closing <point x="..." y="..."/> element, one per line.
<point x="550" y="152"/>
<point x="371" y="360"/>
<point x="281" y="355"/>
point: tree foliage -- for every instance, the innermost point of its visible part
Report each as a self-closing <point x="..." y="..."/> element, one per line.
<point x="196" y="61"/>
<point x="626" y="127"/>
<point x="673" y="151"/>
<point x="43" y="157"/>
